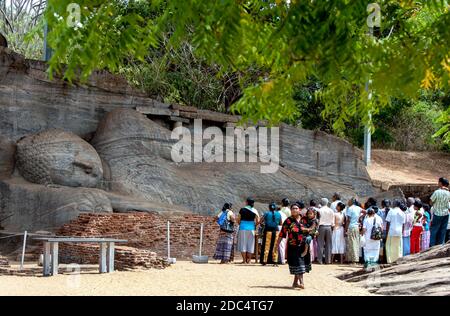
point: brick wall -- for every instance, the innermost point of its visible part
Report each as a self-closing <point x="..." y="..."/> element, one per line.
<point x="144" y="231"/>
<point x="422" y="191"/>
<point x="125" y="257"/>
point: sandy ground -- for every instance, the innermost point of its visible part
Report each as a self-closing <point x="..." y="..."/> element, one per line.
<point x="183" y="278"/>
<point x="400" y="167"/>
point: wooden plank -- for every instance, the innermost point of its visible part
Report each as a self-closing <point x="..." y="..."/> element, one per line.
<point x="110" y="257"/>
<point x="54" y="251"/>
<point x="102" y="259"/>
<point x="80" y="239"/>
<point x="157" y="111"/>
<point x="46" y="263"/>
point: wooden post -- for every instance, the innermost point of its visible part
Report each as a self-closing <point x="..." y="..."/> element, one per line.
<point x="201" y="239"/>
<point x="23" y="250"/>
<point x="110" y="257"/>
<point x="54" y="250"/>
<point x="168" y="240"/>
<point x="102" y="260"/>
<point x="256" y="246"/>
<point x="46" y="264"/>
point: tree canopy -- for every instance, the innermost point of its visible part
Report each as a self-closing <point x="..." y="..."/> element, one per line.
<point x="288" y="41"/>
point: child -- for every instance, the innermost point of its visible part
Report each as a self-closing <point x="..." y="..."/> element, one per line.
<point x="425" y="240"/>
<point x="417" y="227"/>
<point x="310" y="221"/>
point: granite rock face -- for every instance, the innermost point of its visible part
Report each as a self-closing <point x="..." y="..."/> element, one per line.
<point x="31" y="103"/>
<point x="58" y="157"/>
<point x="423" y="274"/>
<point x="27" y="206"/>
<point x="137" y="153"/>
<point x="86" y="148"/>
<point x="7" y="152"/>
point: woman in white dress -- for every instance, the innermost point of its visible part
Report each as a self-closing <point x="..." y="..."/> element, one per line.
<point x="371" y="247"/>
<point x="338" y="238"/>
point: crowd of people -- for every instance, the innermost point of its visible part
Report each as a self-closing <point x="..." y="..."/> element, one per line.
<point x="325" y="233"/>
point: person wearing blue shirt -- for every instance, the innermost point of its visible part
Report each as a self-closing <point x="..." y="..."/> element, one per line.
<point x="352" y="233"/>
<point x="248" y="219"/>
<point x="271" y="221"/>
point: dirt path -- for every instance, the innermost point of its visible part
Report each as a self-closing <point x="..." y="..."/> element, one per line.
<point x="184" y="278"/>
<point x="400" y="167"/>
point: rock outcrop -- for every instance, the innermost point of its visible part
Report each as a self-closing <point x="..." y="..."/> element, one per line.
<point x="31" y="103"/>
<point x="103" y="146"/>
<point x="426" y="273"/>
<point x="27" y="206"/>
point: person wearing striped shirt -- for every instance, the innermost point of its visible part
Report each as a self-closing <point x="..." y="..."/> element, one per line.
<point x="440" y="201"/>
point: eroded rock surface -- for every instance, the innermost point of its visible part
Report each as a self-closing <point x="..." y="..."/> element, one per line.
<point x="7" y="151"/>
<point x="426" y="273"/>
<point x="26" y="206"/>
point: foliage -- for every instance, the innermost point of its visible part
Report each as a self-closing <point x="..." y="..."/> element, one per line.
<point x="181" y="77"/>
<point x="290" y="42"/>
<point x="21" y="22"/>
<point x="402" y="125"/>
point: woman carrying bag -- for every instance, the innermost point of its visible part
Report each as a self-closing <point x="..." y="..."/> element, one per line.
<point x="373" y="233"/>
<point x="225" y="242"/>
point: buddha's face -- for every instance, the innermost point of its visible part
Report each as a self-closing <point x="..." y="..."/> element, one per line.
<point x="58" y="157"/>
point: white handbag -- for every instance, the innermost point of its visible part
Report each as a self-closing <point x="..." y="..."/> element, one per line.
<point x="362" y="241"/>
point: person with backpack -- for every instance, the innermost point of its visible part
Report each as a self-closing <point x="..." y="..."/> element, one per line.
<point x="225" y="242"/>
<point x="271" y="221"/>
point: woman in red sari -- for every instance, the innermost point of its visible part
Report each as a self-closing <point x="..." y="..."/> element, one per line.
<point x="293" y="229"/>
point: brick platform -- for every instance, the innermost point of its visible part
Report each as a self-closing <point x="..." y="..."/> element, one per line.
<point x="125" y="257"/>
<point x="146" y="234"/>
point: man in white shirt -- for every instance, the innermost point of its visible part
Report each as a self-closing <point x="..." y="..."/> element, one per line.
<point x="352" y="234"/>
<point x="395" y="221"/>
<point x="439" y="223"/>
<point x="326" y="224"/>
<point x="336" y="200"/>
